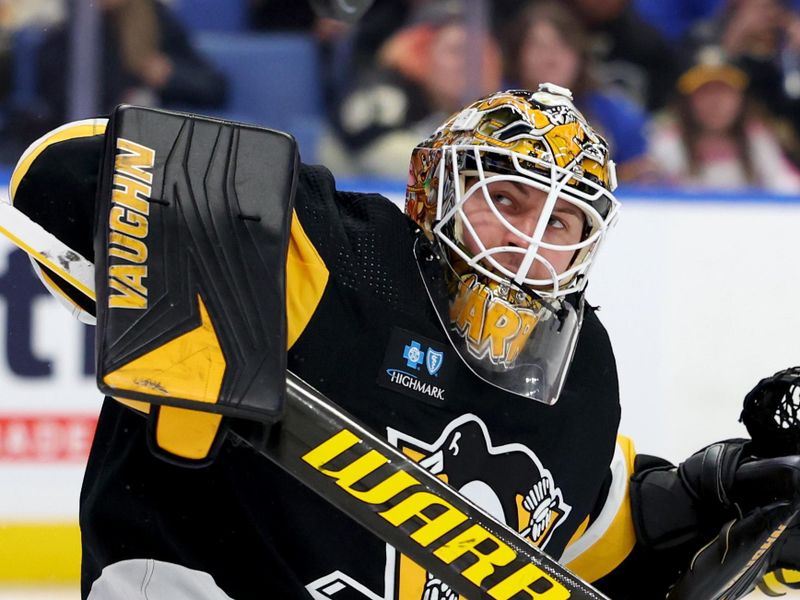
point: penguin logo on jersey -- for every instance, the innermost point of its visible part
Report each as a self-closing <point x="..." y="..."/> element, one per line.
<point x="509" y="482"/>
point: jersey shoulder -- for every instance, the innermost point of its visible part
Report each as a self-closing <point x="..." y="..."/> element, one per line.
<point x="364" y="239"/>
<point x="54" y="183"/>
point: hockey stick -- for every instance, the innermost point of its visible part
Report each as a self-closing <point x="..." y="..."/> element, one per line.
<point x="47" y="249"/>
<point x="366" y="478"/>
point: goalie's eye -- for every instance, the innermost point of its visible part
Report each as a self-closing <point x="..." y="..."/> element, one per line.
<point x="503" y="200"/>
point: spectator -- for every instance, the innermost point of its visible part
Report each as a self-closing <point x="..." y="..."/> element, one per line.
<point x="422" y="77"/>
<point x="548" y="44"/>
<point x="16" y="15"/>
<point x="712" y="139"/>
<point x="763" y="37"/>
<point x="383" y="19"/>
<point x="629" y="54"/>
<point x="148" y="59"/>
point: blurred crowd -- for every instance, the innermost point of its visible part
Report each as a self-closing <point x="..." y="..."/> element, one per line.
<point x="694" y="93"/>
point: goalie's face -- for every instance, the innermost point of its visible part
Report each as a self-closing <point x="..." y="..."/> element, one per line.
<point x="506" y="216"/>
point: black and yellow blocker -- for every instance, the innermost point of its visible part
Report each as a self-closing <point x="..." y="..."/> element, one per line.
<point x="190" y="254"/>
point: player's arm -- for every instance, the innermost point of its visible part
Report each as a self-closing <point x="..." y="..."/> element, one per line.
<point x="607" y="550"/>
<point x="606" y="537"/>
<point x="711" y="526"/>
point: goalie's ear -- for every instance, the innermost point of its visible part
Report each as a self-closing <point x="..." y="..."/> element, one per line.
<point x="55" y="184"/>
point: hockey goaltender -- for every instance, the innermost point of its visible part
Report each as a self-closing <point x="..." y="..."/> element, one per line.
<point x="458" y="332"/>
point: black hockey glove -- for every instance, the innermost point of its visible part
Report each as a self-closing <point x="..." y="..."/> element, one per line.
<point x="727" y="514"/>
<point x="766" y="494"/>
<point x="681" y="508"/>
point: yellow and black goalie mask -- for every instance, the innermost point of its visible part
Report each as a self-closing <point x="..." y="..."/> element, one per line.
<point x="514" y="194"/>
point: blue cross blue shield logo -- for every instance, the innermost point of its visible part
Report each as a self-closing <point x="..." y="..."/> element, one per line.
<point x="433" y="361"/>
<point x="414" y="355"/>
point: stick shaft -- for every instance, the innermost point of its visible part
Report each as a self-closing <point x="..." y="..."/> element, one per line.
<point x="46" y="248"/>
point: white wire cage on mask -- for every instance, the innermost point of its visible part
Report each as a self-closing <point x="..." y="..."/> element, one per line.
<point x="514" y="197"/>
<point x="560" y="184"/>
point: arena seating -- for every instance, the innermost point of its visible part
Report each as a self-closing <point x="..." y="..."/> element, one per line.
<point x="212" y="15"/>
<point x="273" y="80"/>
<point x="24" y="48"/>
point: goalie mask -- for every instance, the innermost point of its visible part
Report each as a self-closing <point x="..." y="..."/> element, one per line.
<point x="514" y="192"/>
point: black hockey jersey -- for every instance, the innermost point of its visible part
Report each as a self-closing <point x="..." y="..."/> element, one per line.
<point x="361" y="329"/>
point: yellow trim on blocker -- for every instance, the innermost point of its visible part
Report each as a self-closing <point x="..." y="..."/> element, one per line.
<point x="40" y="552"/>
<point x="190" y="433"/>
<point x="138" y="405"/>
<point x="190" y="366"/>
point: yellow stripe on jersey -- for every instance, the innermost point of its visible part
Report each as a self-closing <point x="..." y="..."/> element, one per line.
<point x="306" y="278"/>
<point x="611" y="537"/>
<point x="70" y="131"/>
